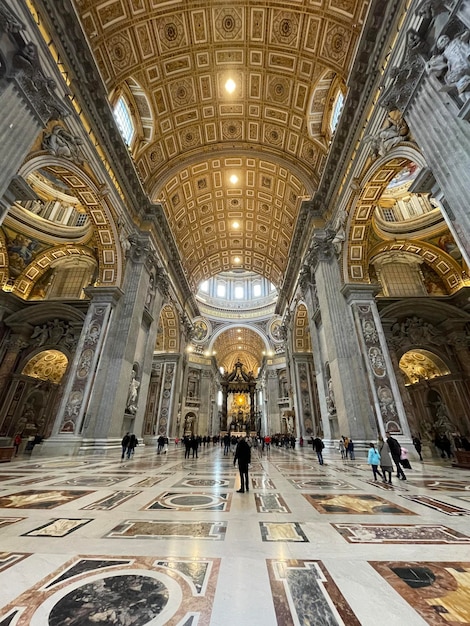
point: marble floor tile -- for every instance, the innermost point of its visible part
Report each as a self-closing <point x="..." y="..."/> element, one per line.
<point x="130" y="529"/>
<point x="271" y="503"/>
<point x="6" y="521"/>
<point x="304" y="593"/>
<point x="282" y="531"/>
<point x="322" y="483"/>
<point x="190" y="502"/>
<point x="112" y="501"/>
<point x="57" y="528"/>
<point x="400" y="533"/>
<point x="440" y="592"/>
<point x="35" y="499"/>
<point x="441" y="485"/>
<point x="123" y="592"/>
<point x="438" y="505"/>
<point x="355" y="505"/>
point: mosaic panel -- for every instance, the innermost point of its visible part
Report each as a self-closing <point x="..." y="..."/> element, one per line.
<point x="321" y="483"/>
<point x="35" y="499"/>
<point x="190" y="502"/>
<point x="130" y="529"/>
<point x="438" y="505"/>
<point x="304" y="593"/>
<point x="282" y="531"/>
<point x="270" y="503"/>
<point x="57" y="528"/>
<point x="363" y="504"/>
<point x="111" y="501"/>
<point x="400" y="533"/>
<point x="439" y="592"/>
<point x="142" y="590"/>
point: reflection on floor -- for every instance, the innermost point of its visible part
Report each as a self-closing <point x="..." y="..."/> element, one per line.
<point x="163" y="540"/>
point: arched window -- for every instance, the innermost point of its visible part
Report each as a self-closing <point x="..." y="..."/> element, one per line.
<point x="123" y="119"/>
<point x="336" y="110"/>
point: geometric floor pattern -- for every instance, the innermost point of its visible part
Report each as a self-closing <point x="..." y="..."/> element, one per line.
<point x="160" y="539"/>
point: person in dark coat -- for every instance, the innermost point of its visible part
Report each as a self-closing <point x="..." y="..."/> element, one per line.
<point x="124" y="444"/>
<point x="417" y="445"/>
<point x="318" y="446"/>
<point x="243" y="456"/>
<point x="395" y="451"/>
<point x="133" y="442"/>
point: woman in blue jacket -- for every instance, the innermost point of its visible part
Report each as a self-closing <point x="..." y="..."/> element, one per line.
<point x="373" y="458"/>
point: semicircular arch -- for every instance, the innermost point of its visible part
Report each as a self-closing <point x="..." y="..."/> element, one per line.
<point x="442" y="263"/>
<point x="110" y="255"/>
<point x="362" y="206"/>
<point x="39" y="266"/>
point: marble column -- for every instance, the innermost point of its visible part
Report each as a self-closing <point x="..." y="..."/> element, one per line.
<point x="341" y="348"/>
<point x="306" y="396"/>
<point x="383" y="386"/>
<point x="83" y="375"/>
<point x="27" y="100"/>
<point x="128" y="352"/>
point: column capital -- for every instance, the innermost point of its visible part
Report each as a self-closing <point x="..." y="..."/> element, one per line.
<point x="359" y="292"/>
<point x="104" y="295"/>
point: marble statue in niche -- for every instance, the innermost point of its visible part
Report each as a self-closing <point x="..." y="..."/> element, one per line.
<point x="330" y="399"/>
<point x="452" y="63"/>
<point x="61" y="143"/>
<point x="132" y="396"/>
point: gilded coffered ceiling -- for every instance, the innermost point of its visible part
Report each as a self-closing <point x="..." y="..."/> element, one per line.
<point x="242" y="344"/>
<point x="172" y="61"/>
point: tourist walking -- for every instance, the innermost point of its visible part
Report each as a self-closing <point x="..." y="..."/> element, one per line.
<point x="418" y="447"/>
<point x="124" y="444"/>
<point x="395" y="451"/>
<point x="350" y="449"/>
<point x="133" y="442"/>
<point x="386" y="463"/>
<point x="318" y="446"/>
<point x="341" y="448"/>
<point x="373" y="459"/>
<point x="243" y="457"/>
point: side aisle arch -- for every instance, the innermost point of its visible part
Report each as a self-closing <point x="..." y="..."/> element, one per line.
<point x="35" y="270"/>
<point x="110" y="256"/>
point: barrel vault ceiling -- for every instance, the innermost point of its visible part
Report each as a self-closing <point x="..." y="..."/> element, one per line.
<point x="172" y="60"/>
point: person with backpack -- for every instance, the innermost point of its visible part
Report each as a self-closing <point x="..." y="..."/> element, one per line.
<point x="395" y="451"/>
<point x="318" y="446"/>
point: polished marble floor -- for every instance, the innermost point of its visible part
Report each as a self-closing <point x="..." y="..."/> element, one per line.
<point x="161" y="540"/>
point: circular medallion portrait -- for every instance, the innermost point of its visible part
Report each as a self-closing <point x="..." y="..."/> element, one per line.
<point x="202" y="329"/>
<point x="275" y="330"/>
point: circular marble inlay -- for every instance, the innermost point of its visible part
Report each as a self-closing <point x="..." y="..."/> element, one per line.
<point x="131" y="599"/>
<point x="186" y="500"/>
